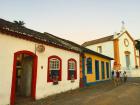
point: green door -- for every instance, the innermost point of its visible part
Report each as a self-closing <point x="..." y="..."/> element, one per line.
<point x="103" y="70"/>
<point x="107" y="69"/>
<point x="97" y="69"/>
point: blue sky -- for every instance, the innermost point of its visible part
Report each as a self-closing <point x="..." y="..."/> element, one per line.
<point x="76" y="20"/>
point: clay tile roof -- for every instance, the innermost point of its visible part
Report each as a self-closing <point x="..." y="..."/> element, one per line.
<point x="45" y="38"/>
<point x="32" y="35"/>
<point x="101" y="40"/>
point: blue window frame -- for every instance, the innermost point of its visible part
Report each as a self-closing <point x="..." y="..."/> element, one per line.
<point x="89" y="66"/>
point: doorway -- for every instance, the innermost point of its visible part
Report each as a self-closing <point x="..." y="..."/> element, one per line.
<point x="97" y="69"/>
<point x="127" y="60"/>
<point x="24" y="76"/>
<point x="107" y="69"/>
<point x="103" y="70"/>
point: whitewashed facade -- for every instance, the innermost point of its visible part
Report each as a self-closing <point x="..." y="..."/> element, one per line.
<point x="126" y="45"/>
<point x="10" y="45"/>
<point x="107" y="48"/>
<point x="130" y="48"/>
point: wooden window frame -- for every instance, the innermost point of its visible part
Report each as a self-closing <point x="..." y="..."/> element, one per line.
<point x="60" y="68"/>
<point x="99" y="49"/>
<point x="89" y="72"/>
<point x="75" y="70"/>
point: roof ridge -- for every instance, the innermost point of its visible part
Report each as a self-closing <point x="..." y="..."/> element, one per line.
<point x="99" y="40"/>
<point x="26" y="32"/>
<point x="45" y="38"/>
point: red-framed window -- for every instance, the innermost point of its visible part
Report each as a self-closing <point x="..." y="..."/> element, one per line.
<point x="54" y="68"/>
<point x="72" y="69"/>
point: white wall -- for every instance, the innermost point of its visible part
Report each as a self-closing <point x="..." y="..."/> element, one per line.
<point x="123" y="48"/>
<point x="9" y="45"/>
<point x="107" y="48"/>
<point x="46" y="89"/>
<point x="133" y="73"/>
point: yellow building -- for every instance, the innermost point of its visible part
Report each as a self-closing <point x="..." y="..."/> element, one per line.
<point x="94" y="67"/>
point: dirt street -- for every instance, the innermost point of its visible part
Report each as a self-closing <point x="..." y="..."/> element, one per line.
<point x="104" y="93"/>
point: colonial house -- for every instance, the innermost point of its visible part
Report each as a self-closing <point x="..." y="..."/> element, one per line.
<point x="95" y="67"/>
<point x="120" y="46"/>
<point x="35" y="64"/>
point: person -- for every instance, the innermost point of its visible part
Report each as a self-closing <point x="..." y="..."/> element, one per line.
<point x="125" y="76"/>
<point x="121" y="77"/>
<point x="112" y="74"/>
<point x="117" y="77"/>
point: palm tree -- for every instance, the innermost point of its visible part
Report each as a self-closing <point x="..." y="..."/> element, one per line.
<point x="19" y="23"/>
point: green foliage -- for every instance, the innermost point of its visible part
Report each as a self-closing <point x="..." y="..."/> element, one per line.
<point x="19" y="23"/>
<point x="138" y="44"/>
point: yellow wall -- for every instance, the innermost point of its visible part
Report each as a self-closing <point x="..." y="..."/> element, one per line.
<point x="92" y="77"/>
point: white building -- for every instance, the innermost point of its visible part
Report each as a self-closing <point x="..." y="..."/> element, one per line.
<point x="35" y="64"/>
<point x="120" y="46"/>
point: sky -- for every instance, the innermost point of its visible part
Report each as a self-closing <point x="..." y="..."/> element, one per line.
<point x="75" y="20"/>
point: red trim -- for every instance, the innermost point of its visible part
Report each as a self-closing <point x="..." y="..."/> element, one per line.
<point x="75" y="73"/>
<point x="60" y="69"/>
<point x="34" y="75"/>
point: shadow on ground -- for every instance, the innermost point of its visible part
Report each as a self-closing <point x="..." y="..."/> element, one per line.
<point x="104" y="93"/>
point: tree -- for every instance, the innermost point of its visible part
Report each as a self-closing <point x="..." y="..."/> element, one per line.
<point x="19" y="23"/>
<point x="137" y="44"/>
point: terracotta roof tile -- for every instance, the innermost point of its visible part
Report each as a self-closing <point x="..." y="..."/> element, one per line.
<point x="45" y="38"/>
<point x="101" y="40"/>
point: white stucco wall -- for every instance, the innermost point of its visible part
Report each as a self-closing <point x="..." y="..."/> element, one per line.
<point x="138" y="57"/>
<point x="133" y="73"/>
<point x="107" y="48"/>
<point x="123" y="48"/>
<point x="9" y="45"/>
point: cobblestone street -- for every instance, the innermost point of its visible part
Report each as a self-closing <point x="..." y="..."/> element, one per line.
<point x="102" y="94"/>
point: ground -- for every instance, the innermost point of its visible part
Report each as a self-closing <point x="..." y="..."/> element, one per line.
<point x="104" y="93"/>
